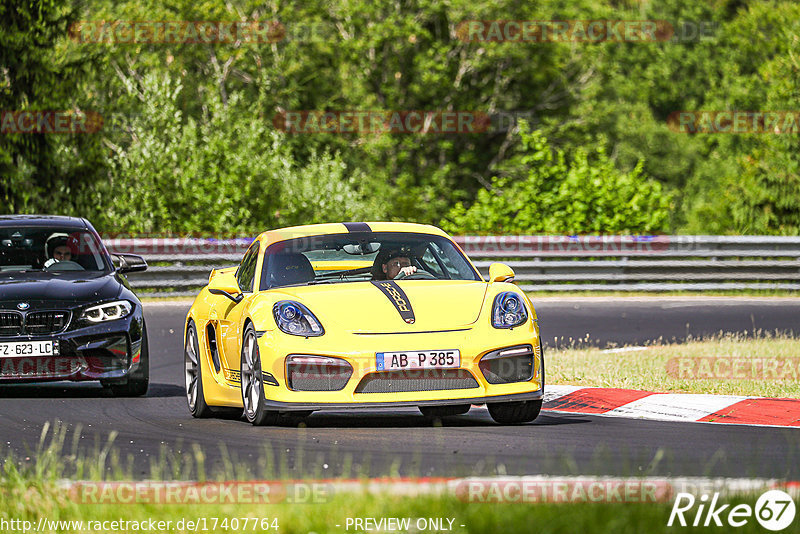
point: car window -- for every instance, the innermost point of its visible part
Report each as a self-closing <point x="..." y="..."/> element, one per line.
<point x="50" y="249"/>
<point x="340" y="258"/>
<point x="449" y="257"/>
<point x="247" y="269"/>
<point x="431" y="265"/>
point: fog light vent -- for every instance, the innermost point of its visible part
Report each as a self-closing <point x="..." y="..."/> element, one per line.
<point x="317" y="373"/>
<point x="505" y="366"/>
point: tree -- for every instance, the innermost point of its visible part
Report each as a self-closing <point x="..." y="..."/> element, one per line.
<point x="548" y="191"/>
<point x="38" y="72"/>
<point x="227" y="172"/>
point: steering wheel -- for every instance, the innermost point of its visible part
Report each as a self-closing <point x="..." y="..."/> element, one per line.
<point x="64" y="265"/>
<point x="419" y="275"/>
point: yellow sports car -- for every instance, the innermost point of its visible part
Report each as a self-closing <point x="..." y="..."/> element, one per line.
<point x="361" y="315"/>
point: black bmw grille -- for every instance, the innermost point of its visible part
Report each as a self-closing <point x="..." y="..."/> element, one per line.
<point x="416" y="380"/>
<point x="10" y="323"/>
<point x="33" y="323"/>
<point x="47" y="322"/>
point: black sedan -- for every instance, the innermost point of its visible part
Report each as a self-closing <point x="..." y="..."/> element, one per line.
<point x="66" y="310"/>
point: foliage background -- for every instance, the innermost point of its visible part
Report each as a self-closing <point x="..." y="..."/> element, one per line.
<point x="189" y="144"/>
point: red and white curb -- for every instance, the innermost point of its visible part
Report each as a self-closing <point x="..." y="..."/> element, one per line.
<point x="729" y="409"/>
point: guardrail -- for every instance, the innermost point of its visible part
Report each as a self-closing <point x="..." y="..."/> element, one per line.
<point x="180" y="267"/>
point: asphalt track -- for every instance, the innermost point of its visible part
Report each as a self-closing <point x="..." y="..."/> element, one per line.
<point x="158" y="430"/>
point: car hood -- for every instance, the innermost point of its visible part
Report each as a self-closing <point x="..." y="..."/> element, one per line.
<point x="39" y="288"/>
<point x="363" y="307"/>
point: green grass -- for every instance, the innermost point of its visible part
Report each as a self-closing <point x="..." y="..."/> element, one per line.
<point x="648" y="369"/>
<point x="38" y="500"/>
<point x="35" y="489"/>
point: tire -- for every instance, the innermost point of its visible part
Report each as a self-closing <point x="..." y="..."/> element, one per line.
<point x="515" y="413"/>
<point x="444" y="411"/>
<point x="253" y="383"/>
<point x="193" y="375"/>
<point x="139" y="380"/>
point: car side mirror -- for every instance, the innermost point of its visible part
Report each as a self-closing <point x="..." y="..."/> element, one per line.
<point x="227" y="287"/>
<point x="130" y="263"/>
<point x="500" y="272"/>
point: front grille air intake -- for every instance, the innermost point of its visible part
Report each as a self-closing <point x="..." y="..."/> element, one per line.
<point x="10" y="323"/>
<point x="46" y="322"/>
<point x="506" y="366"/>
<point x="416" y="380"/>
<point x="317" y="373"/>
<point x="14" y="323"/>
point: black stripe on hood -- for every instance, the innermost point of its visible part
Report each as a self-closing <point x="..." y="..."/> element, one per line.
<point x="398" y="297"/>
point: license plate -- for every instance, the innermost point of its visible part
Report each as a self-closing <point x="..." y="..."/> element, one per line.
<point x="417" y="359"/>
<point x="28" y="348"/>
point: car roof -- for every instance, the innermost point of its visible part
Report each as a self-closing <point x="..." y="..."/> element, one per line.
<point x="293" y="232"/>
<point x="42" y="220"/>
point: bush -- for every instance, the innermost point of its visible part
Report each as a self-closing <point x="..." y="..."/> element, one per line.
<point x="550" y="192"/>
<point x="228" y="172"/>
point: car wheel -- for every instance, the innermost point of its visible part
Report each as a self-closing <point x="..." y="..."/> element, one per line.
<point x="193" y="375"/>
<point x="444" y="411"/>
<point x="514" y="413"/>
<point x="253" y="383"/>
<point x="139" y="380"/>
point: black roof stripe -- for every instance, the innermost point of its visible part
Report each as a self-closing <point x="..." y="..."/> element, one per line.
<point x="357" y="227"/>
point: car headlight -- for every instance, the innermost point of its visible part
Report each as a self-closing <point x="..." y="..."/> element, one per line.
<point x="110" y="311"/>
<point x="508" y="310"/>
<point x="295" y="319"/>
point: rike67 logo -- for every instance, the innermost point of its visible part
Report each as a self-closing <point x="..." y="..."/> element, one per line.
<point x="774" y="510"/>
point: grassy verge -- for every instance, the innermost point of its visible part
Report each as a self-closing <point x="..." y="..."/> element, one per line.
<point x="765" y="366"/>
<point x="36" y="492"/>
<point x="459" y="517"/>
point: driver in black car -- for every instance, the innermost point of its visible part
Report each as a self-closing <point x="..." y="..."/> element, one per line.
<point x="58" y="249"/>
<point x="62" y="253"/>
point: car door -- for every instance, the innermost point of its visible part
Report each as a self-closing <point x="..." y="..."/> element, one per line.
<point x="231" y="317"/>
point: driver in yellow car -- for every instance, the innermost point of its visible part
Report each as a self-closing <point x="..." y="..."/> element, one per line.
<point x="397" y="265"/>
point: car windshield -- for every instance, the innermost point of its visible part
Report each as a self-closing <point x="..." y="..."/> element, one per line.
<point x="363" y="256"/>
<point x="50" y="249"/>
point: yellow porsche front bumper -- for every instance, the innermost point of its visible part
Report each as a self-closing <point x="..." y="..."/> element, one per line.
<point x="366" y="386"/>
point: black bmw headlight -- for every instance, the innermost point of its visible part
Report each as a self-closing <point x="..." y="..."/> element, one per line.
<point x="295" y="319"/>
<point x="110" y="311"/>
<point x="508" y="310"/>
